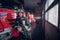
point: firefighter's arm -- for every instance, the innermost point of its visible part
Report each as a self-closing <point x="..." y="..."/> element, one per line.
<point x="27" y="28"/>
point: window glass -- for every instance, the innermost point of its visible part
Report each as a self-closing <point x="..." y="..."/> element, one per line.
<point x="50" y="2"/>
<point x="53" y="15"/>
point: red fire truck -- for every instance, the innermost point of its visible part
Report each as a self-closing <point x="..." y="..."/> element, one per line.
<point x="5" y="27"/>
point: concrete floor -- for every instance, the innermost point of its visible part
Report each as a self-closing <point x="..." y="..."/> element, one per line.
<point x="51" y="32"/>
<point x="38" y="33"/>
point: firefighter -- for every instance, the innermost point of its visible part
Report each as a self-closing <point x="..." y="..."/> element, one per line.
<point x="31" y="20"/>
<point x="30" y="17"/>
<point x="26" y="26"/>
<point x="18" y="28"/>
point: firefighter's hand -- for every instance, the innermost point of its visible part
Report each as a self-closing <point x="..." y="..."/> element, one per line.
<point x="19" y="29"/>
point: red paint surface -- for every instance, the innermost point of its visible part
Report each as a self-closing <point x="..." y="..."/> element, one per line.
<point x="5" y="23"/>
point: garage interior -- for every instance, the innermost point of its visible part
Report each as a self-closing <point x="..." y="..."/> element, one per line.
<point x="46" y="14"/>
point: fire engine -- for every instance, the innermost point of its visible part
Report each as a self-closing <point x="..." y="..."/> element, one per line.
<point x="10" y="26"/>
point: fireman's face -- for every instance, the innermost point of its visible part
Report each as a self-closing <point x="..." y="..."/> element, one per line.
<point x="20" y="14"/>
